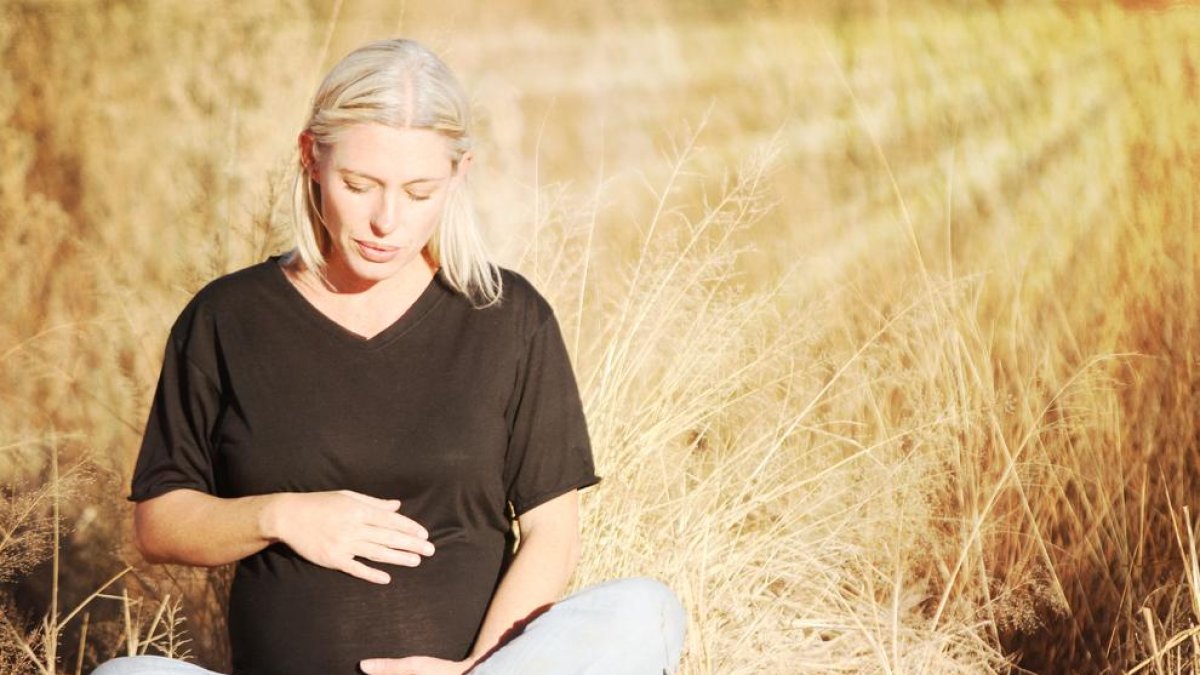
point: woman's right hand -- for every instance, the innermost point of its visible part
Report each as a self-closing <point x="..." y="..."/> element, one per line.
<point x="331" y="529"/>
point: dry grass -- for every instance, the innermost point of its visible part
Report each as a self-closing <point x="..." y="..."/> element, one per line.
<point x="885" y="318"/>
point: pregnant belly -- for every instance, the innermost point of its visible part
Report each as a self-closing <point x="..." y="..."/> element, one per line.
<point x="287" y="615"/>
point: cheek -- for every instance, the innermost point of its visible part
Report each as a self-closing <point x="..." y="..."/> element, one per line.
<point x="341" y="208"/>
<point x="433" y="214"/>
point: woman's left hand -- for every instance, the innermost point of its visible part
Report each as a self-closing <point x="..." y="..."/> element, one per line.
<point x="414" y="665"/>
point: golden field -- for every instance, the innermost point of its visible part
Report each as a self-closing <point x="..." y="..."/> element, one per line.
<point x="884" y="315"/>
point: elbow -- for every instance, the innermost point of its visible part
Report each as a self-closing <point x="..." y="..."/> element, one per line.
<point x="144" y="535"/>
<point x="574" y="552"/>
<point x="570" y="551"/>
<point x="561" y="549"/>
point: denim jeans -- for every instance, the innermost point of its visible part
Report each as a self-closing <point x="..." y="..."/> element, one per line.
<point x="631" y="626"/>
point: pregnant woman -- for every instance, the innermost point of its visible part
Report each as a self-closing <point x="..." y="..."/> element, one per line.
<point x="358" y="422"/>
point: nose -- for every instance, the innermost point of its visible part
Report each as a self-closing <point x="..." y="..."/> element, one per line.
<point x="386" y="214"/>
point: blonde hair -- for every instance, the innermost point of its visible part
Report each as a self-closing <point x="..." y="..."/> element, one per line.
<point x="402" y="84"/>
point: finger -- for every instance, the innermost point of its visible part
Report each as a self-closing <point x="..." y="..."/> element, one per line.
<point x="356" y="569"/>
<point x="376" y="502"/>
<point x="384" y="554"/>
<point x="395" y="521"/>
<point x="398" y="540"/>
<point x="387" y="666"/>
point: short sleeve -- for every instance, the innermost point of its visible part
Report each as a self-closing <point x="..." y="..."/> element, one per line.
<point x="176" y="447"/>
<point x="549" y="450"/>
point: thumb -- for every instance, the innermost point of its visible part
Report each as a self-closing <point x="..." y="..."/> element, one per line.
<point x="386" y="666"/>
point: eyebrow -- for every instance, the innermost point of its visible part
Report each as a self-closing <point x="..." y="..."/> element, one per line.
<point x="414" y="181"/>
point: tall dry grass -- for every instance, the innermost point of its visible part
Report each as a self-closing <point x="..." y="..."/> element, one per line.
<point x="884" y="317"/>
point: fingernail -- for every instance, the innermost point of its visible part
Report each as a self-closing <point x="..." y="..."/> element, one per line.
<point x="367" y="666"/>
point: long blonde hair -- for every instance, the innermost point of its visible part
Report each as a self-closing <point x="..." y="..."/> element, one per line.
<point x="402" y="84"/>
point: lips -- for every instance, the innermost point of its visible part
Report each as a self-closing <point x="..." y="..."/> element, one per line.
<point x="377" y="253"/>
<point x="377" y="247"/>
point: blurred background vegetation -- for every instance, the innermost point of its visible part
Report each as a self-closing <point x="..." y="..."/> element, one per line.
<point x="885" y="313"/>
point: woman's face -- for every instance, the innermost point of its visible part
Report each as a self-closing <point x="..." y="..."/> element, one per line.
<point x="383" y="190"/>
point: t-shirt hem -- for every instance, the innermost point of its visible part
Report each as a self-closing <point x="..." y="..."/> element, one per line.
<point x="543" y="497"/>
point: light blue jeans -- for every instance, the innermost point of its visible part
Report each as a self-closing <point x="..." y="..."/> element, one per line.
<point x="631" y="626"/>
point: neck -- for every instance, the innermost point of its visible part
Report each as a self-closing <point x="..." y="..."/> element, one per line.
<point x="340" y="282"/>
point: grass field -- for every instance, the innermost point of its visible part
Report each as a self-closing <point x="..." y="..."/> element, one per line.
<point x="884" y="315"/>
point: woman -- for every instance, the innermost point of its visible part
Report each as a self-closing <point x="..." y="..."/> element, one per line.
<point x="358" y="422"/>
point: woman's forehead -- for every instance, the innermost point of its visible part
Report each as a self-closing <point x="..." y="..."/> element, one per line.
<point x="386" y="153"/>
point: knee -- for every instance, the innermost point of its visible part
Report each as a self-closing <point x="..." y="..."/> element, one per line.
<point x="650" y="593"/>
<point x="648" y="605"/>
<point x="123" y="665"/>
<point x="147" y="665"/>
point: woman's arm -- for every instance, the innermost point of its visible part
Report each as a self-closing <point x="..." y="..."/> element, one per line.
<point x="540" y="570"/>
<point x="544" y="562"/>
<point x="190" y="527"/>
<point x="328" y="528"/>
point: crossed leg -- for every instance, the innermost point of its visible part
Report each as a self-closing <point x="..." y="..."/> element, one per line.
<point x="631" y="626"/>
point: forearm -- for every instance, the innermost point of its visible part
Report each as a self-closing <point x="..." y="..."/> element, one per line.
<point x="194" y="528"/>
<point x="539" y="573"/>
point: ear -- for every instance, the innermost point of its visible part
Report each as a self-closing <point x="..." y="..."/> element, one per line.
<point x="308" y="157"/>
<point x="464" y="165"/>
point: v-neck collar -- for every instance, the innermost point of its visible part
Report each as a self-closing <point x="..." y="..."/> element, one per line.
<point x="426" y="301"/>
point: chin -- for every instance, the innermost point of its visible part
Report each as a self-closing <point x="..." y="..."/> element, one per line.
<point x="365" y="269"/>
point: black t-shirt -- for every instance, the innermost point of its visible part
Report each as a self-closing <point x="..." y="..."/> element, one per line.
<point x="458" y="412"/>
